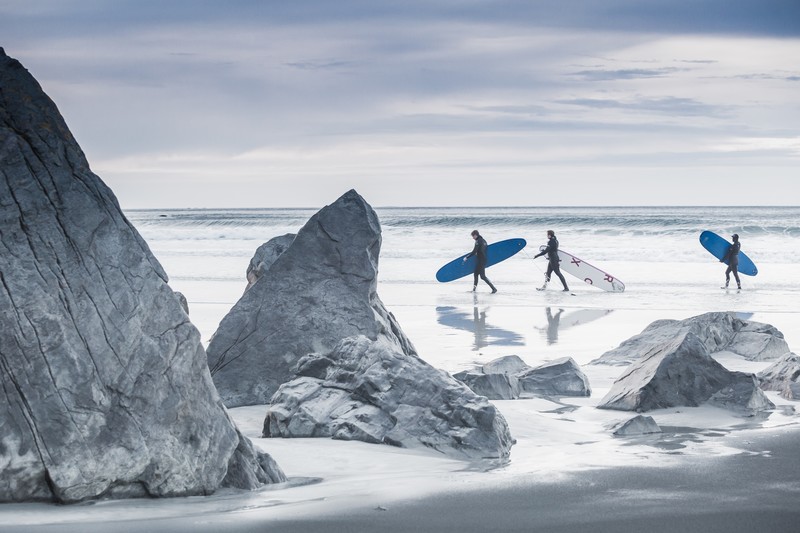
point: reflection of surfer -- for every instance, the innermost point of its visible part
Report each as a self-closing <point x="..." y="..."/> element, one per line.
<point x="552" y="260"/>
<point x="732" y="258"/>
<point x="552" y="325"/>
<point x="479" y="322"/>
<point x="480" y="267"/>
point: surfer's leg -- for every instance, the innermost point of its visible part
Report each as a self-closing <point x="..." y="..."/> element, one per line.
<point x="727" y="276"/>
<point x="489" y="283"/>
<point x="475" y="280"/>
<point x="561" y="277"/>
<point x="736" y="276"/>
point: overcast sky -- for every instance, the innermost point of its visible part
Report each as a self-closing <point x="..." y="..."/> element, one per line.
<point x="188" y="103"/>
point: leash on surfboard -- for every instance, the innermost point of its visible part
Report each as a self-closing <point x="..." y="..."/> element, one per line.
<point x="533" y="260"/>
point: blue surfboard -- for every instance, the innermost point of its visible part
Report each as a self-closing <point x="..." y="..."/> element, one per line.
<point x="495" y="253"/>
<point x="718" y="247"/>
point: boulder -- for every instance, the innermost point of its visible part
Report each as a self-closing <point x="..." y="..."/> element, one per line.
<point x="681" y="372"/>
<point x="717" y="331"/>
<point x="364" y="390"/>
<point x="782" y="376"/>
<point x="561" y="377"/>
<point x="265" y="255"/>
<point x="313" y="338"/>
<point x="638" y="425"/>
<point x="105" y="388"/>
<point x="509" y="378"/>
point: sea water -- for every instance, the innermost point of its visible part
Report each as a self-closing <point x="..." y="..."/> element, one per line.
<point x="655" y="251"/>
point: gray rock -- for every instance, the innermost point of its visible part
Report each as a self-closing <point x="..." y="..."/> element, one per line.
<point x="638" y="425"/>
<point x="509" y="378"/>
<point x="265" y="255"/>
<point x="313" y="338"/>
<point x="105" y="388"/>
<point x="681" y="372"/>
<point x="364" y="390"/>
<point x="183" y="301"/>
<point x="716" y="331"/>
<point x="561" y="377"/>
<point x="782" y="376"/>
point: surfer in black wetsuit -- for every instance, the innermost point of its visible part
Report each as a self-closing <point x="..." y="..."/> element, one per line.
<point x="552" y="260"/>
<point x="480" y="268"/>
<point x="732" y="258"/>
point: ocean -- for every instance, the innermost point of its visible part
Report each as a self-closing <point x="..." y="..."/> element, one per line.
<point x="655" y="251"/>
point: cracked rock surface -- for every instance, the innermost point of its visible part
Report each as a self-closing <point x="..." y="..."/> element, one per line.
<point x="312" y="337"/>
<point x="105" y="388"/>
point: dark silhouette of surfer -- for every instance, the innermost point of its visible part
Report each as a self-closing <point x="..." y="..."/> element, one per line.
<point x="552" y="260"/>
<point x="732" y="258"/>
<point x="479" y="251"/>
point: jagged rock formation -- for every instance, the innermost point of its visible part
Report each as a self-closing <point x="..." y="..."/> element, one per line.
<point x="509" y="378"/>
<point x="638" y="425"/>
<point x="717" y="331"/>
<point x="365" y="390"/>
<point x="314" y="333"/>
<point x="105" y="388"/>
<point x="783" y="376"/>
<point x="265" y="255"/>
<point x="681" y="372"/>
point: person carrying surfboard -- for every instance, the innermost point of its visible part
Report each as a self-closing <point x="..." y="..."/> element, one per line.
<point x="480" y="267"/>
<point x="732" y="258"/>
<point x="552" y="260"/>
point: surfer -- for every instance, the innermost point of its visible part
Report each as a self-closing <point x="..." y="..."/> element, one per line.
<point x="479" y="251"/>
<point x="552" y="260"/>
<point x="732" y="258"/>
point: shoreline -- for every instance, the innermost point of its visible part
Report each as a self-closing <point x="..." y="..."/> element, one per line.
<point x="756" y="490"/>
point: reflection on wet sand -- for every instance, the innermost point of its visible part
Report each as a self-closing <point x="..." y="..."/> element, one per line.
<point x="475" y="323"/>
<point x="561" y="320"/>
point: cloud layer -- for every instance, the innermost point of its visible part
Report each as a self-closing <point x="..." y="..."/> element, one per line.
<point x="424" y="103"/>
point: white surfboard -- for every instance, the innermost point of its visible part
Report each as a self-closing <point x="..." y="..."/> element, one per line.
<point x="589" y="273"/>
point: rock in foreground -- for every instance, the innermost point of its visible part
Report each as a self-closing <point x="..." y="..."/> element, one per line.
<point x="682" y="373"/>
<point x="314" y="333"/>
<point x="716" y="331"/>
<point x="366" y="390"/>
<point x="105" y="388"/>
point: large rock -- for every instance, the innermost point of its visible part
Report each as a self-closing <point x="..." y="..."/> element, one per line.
<point x="105" y="388"/>
<point x="681" y="372"/>
<point x="717" y="331"/>
<point x="363" y="390"/>
<point x="782" y="376"/>
<point x="509" y="378"/>
<point x="314" y="326"/>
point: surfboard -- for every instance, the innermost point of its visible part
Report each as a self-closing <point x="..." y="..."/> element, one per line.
<point x="588" y="273"/>
<point x="718" y="247"/>
<point x="495" y="253"/>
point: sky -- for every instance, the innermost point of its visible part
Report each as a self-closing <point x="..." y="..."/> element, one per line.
<point x="247" y="103"/>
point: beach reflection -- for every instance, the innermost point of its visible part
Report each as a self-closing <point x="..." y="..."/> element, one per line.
<point x="475" y="323"/>
<point x="559" y="320"/>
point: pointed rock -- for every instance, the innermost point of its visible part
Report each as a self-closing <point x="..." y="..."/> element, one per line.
<point x="313" y="338"/>
<point x="105" y="388"/>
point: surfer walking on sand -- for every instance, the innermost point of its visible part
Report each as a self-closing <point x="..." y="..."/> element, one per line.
<point x="552" y="260"/>
<point x="479" y="251"/>
<point x="732" y="258"/>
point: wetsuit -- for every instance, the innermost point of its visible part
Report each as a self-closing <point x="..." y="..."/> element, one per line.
<point x="732" y="258"/>
<point x="479" y="251"/>
<point x="552" y="261"/>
